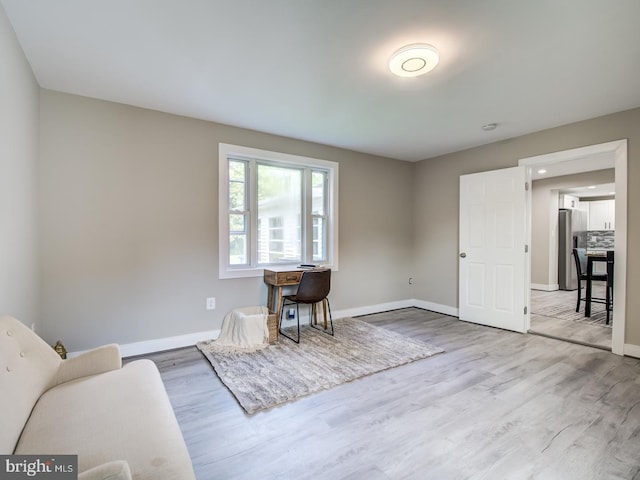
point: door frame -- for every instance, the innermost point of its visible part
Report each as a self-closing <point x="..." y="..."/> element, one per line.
<point x="617" y="150"/>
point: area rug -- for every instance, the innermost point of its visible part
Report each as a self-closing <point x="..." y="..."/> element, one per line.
<point x="562" y="305"/>
<point x="286" y="371"/>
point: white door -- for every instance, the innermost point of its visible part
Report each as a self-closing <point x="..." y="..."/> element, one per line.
<point x="492" y="249"/>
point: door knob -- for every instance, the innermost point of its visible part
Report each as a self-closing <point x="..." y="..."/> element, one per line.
<point x="463" y="255"/>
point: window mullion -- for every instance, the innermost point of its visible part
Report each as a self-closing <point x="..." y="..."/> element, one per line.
<point x="320" y="220"/>
<point x="327" y="234"/>
<point x="236" y="209"/>
<point x="307" y="253"/>
<point x="252" y="193"/>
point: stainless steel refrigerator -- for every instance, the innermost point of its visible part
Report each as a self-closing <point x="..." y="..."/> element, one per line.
<point x="572" y="233"/>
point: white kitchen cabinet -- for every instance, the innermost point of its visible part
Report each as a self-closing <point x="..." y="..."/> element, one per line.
<point x="602" y="215"/>
<point x="568" y="201"/>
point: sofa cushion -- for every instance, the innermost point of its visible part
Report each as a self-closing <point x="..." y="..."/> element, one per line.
<point x="123" y="414"/>
<point x="28" y="368"/>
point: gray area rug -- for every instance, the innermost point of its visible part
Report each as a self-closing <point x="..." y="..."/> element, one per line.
<point x="286" y="371"/>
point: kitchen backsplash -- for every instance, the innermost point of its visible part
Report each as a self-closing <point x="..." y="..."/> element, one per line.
<point x="600" y="239"/>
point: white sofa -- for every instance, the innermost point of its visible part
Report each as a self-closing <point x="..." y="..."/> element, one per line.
<point x="118" y="420"/>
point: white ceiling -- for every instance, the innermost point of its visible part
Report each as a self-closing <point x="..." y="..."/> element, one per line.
<point x="317" y="70"/>
<point x="602" y="190"/>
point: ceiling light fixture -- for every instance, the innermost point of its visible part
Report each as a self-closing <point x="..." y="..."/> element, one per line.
<point x="489" y="126"/>
<point x="414" y="60"/>
<point x="542" y="171"/>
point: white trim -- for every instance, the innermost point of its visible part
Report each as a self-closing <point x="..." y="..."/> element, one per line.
<point x="572" y="154"/>
<point x="161" y="344"/>
<point x="620" y="271"/>
<point x="632" y="350"/>
<point x="545" y="288"/>
<point x="190" y="339"/>
<point x="553" y="237"/>
<point x="436" y="307"/>
<point x="224" y="151"/>
<point x="618" y="149"/>
<point x="385" y="307"/>
<point x="369" y="309"/>
<point x="528" y="239"/>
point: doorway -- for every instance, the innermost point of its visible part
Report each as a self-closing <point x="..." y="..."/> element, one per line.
<point x="565" y="215"/>
<point x="591" y="158"/>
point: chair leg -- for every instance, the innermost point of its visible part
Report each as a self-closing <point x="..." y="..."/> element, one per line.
<point x="579" y="295"/>
<point x="297" y="319"/>
<point x="326" y="306"/>
<point x="330" y="317"/>
<point x="608" y="302"/>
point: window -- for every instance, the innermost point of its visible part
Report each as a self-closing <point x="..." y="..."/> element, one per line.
<point x="275" y="209"/>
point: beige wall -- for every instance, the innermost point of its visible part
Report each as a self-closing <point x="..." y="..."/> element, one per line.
<point x="19" y="284"/>
<point x="436" y="183"/>
<point x="129" y="216"/>
<point x="544" y="220"/>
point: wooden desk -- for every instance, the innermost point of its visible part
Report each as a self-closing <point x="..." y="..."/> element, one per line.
<point x="275" y="280"/>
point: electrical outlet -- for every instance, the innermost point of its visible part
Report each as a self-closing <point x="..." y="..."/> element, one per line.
<point x="211" y="303"/>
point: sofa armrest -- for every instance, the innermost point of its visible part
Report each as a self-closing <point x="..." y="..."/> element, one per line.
<point x="116" y="470"/>
<point x="92" y="362"/>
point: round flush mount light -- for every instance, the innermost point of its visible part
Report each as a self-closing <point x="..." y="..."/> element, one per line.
<point x="414" y="60"/>
<point x="489" y="126"/>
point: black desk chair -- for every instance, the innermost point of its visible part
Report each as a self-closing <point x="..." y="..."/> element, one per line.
<point x="314" y="288"/>
<point x="580" y="257"/>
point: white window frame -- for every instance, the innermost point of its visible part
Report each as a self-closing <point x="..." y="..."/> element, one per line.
<point x="225" y="151"/>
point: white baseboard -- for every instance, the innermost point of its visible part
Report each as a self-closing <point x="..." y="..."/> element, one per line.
<point x="436" y="307"/>
<point x="168" y="343"/>
<point x="369" y="309"/>
<point x="190" y="339"/>
<point x="385" y="307"/>
<point x="161" y="344"/>
<point x="545" y="288"/>
<point x="631" y="350"/>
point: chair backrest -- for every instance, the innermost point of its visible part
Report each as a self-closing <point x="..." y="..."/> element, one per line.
<point x="314" y="286"/>
<point x="28" y="368"/>
<point x="610" y="258"/>
<point x="580" y="256"/>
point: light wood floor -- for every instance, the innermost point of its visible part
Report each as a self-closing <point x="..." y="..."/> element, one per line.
<point x="556" y="326"/>
<point x="496" y="405"/>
